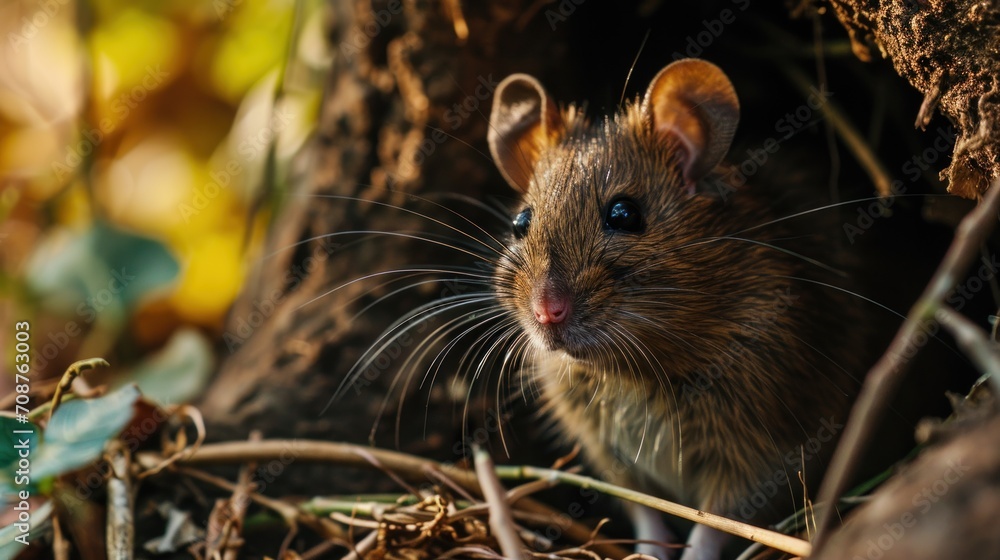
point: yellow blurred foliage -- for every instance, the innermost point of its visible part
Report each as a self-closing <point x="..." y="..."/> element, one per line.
<point x="210" y="279"/>
<point x="159" y="118"/>
<point x="249" y="50"/>
<point x="133" y="55"/>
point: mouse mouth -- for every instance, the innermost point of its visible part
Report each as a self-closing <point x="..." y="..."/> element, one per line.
<point x="561" y="338"/>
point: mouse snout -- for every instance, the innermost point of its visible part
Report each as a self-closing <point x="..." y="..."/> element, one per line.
<point x="551" y="306"/>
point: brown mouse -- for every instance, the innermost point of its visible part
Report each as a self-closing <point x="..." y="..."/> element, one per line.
<point x="678" y="326"/>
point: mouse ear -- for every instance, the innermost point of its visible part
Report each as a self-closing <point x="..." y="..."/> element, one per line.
<point x="524" y="121"/>
<point x="694" y="102"/>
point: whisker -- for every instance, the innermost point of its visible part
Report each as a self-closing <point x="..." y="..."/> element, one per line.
<point x="412" y="285"/>
<point x="407" y="322"/>
<point x="787" y="252"/>
<point x="422" y="215"/>
<point x="408" y="372"/>
<point x="415" y="271"/>
<point x="831" y="206"/>
<point x="868" y="300"/>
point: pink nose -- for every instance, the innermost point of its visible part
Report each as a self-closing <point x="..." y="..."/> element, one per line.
<point x="550" y="307"/>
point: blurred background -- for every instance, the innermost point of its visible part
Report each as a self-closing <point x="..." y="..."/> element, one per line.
<point x="146" y="149"/>
<point x="139" y="142"/>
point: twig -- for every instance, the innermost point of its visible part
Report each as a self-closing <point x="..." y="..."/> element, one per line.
<point x="778" y="541"/>
<point x="973" y="341"/>
<point x="291" y="514"/>
<point x="347" y="454"/>
<point x="60" y="546"/>
<point x="930" y="103"/>
<point x="855" y="142"/>
<point x="120" y="527"/>
<point x="453" y="9"/>
<point x="322" y="550"/>
<point x="886" y="374"/>
<point x="362" y="547"/>
<point x="72" y="372"/>
<point x="227" y="517"/>
<point x="500" y="518"/>
<point x="180" y="443"/>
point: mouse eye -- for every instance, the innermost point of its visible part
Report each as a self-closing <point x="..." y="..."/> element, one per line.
<point x="624" y="215"/>
<point x="521" y="223"/>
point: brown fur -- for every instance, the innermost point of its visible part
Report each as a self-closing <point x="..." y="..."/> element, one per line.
<point x="631" y="375"/>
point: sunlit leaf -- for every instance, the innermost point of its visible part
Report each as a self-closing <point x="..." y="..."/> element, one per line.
<point x="179" y="371"/>
<point x="80" y="429"/>
<point x="249" y="51"/>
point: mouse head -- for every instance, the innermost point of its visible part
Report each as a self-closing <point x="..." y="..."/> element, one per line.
<point x="690" y="103"/>
<point x="603" y="242"/>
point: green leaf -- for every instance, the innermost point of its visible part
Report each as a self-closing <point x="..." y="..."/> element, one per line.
<point x="104" y="270"/>
<point x="78" y="431"/>
<point x="178" y="372"/>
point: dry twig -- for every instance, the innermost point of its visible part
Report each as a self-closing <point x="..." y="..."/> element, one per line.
<point x="72" y="372"/>
<point x="408" y="466"/>
<point x="784" y="543"/>
<point x="973" y="341"/>
<point x="501" y="522"/>
<point x="886" y="374"/>
<point x="120" y="527"/>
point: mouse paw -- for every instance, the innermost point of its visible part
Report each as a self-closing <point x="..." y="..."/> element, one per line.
<point x="705" y="543"/>
<point x="649" y="526"/>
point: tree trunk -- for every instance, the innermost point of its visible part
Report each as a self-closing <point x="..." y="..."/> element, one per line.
<point x="404" y="116"/>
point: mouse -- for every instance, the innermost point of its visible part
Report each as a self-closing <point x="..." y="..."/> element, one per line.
<point x="693" y="334"/>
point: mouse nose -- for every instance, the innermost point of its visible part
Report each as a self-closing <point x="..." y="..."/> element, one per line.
<point x="551" y="307"/>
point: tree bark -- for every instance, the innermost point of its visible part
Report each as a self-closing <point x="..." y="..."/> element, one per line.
<point x="950" y="51"/>
<point x="404" y="115"/>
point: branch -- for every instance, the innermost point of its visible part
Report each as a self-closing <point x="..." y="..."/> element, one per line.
<point x="501" y="521"/>
<point x="779" y="541"/>
<point x="886" y="374"/>
<point x="414" y="468"/>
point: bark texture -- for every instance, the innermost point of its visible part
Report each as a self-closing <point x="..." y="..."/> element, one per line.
<point x="950" y="51"/>
<point x="404" y="114"/>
